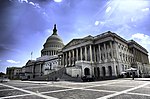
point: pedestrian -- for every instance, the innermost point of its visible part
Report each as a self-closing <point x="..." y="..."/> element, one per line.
<point x="132" y="75"/>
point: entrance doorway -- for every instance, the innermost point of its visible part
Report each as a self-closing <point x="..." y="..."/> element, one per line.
<point x="86" y="71"/>
<point x="110" y="70"/>
<point x="104" y="71"/>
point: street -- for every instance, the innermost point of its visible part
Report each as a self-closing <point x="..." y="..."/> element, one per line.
<point x="112" y="89"/>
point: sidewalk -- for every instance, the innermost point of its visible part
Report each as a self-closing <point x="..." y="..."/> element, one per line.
<point x="38" y="82"/>
<point x="138" y="79"/>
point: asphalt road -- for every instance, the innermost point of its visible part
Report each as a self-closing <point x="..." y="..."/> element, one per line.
<point x="110" y="89"/>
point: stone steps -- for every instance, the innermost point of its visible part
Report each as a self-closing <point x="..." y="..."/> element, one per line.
<point x="57" y="75"/>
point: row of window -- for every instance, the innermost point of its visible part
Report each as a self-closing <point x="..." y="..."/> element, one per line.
<point x="51" y="63"/>
<point x="49" y="53"/>
<point x="53" y="45"/>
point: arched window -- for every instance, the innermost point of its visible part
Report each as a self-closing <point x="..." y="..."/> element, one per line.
<point x="86" y="71"/>
<point x="104" y="71"/>
<point x="117" y="69"/>
<point x="110" y="70"/>
<point x="98" y="72"/>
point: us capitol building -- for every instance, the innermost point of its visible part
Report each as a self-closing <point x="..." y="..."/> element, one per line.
<point x="101" y="56"/>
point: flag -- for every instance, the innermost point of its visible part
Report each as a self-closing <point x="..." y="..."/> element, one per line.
<point x="31" y="53"/>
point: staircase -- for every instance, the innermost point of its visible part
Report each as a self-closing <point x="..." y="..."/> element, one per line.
<point x="66" y="77"/>
<point x="50" y="77"/>
<point x="57" y="75"/>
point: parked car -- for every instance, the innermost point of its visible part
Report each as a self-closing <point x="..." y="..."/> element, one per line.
<point x="88" y="78"/>
<point x="4" y="79"/>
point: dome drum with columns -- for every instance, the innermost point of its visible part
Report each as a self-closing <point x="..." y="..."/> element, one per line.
<point x="52" y="44"/>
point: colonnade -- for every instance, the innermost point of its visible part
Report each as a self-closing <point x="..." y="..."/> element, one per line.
<point x="49" y="53"/>
<point x="92" y="52"/>
<point x="140" y="56"/>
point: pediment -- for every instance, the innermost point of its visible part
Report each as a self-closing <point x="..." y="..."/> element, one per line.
<point x="30" y="62"/>
<point x="74" y="42"/>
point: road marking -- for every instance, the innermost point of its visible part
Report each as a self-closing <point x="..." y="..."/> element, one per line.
<point x="35" y="87"/>
<point x="120" y="86"/>
<point x="138" y="94"/>
<point x="100" y="90"/>
<point x="103" y="84"/>
<point x="6" y="89"/>
<point x="121" y="92"/>
<point x="58" y="90"/>
<point x="15" y="96"/>
<point x="30" y="92"/>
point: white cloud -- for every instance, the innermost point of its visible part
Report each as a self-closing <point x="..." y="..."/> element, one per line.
<point x="102" y="23"/>
<point x="97" y="23"/>
<point x="31" y="3"/>
<point x="142" y="39"/>
<point x="13" y="62"/>
<point x="23" y="1"/>
<point x="58" y="0"/>
<point x="48" y="32"/>
<point x="35" y="4"/>
<point x="146" y="9"/>
<point x="108" y="9"/>
<point x="140" y="36"/>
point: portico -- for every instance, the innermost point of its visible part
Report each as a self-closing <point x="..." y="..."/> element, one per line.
<point x="99" y="56"/>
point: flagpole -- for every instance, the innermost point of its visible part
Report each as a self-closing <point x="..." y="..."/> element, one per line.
<point x="31" y="55"/>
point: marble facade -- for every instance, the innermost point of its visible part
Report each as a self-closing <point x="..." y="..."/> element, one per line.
<point x="103" y="55"/>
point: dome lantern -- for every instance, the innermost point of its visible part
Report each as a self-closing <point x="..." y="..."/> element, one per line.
<point x="54" y="30"/>
<point x="52" y="44"/>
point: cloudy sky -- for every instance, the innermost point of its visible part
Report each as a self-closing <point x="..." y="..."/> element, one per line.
<point x="26" y="24"/>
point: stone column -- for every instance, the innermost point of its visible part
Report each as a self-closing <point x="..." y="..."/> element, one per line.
<point x="91" y="58"/>
<point x="111" y="49"/>
<point x="50" y="53"/>
<point x="105" y="51"/>
<point x="142" y="57"/>
<point x="94" y="53"/>
<point x="81" y="53"/>
<point x="85" y="53"/>
<point x="73" y="60"/>
<point x="66" y="59"/>
<point x="99" y="49"/>
<point x="69" y="58"/>
<point x="117" y="54"/>
<point x="62" y="63"/>
<point x="77" y="54"/>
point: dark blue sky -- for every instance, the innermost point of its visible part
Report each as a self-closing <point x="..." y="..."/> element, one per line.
<point x="26" y="24"/>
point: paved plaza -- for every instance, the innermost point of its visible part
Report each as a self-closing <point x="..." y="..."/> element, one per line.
<point x="110" y="89"/>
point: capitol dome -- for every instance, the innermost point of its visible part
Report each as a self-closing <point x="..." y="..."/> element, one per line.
<point x="52" y="44"/>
